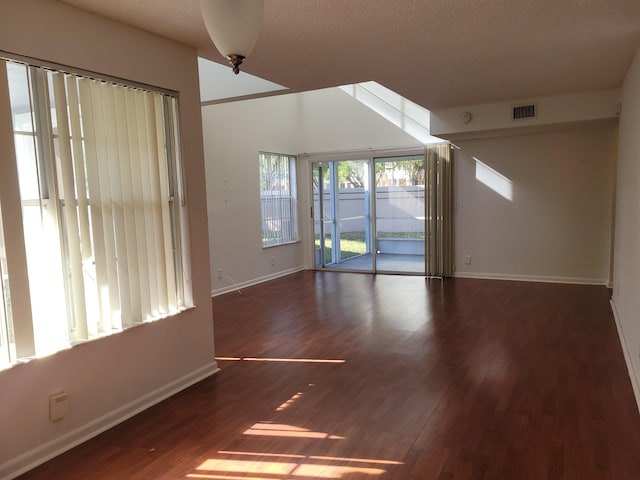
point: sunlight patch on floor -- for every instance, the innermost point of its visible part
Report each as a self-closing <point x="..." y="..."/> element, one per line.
<point x="313" y="457"/>
<point x="289" y="402"/>
<point x="290" y="466"/>
<point x="248" y="466"/>
<point x="292" y="360"/>
<point x="280" y="430"/>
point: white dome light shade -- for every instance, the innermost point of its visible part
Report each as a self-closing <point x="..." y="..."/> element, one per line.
<point x="233" y="25"/>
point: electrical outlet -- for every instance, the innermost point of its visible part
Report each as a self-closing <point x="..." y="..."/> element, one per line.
<point x="467" y="259"/>
<point x="220" y="274"/>
<point x="273" y="261"/>
<point x="58" y="406"/>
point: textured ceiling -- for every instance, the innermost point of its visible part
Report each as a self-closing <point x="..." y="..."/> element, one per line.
<point x="438" y="53"/>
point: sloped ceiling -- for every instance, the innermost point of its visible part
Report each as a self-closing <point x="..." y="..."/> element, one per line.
<point x="438" y="53"/>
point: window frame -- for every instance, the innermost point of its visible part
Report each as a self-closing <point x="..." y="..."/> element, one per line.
<point x="293" y="235"/>
<point x="39" y="76"/>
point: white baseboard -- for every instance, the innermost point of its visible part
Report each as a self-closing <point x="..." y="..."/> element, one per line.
<point x="628" y="356"/>
<point x="255" y="281"/>
<point x="47" y="451"/>
<point x="533" y="278"/>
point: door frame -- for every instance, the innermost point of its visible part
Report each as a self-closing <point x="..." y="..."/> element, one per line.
<point x="372" y="157"/>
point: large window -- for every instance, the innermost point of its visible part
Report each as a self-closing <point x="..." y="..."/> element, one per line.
<point x="90" y="190"/>
<point x="278" y="199"/>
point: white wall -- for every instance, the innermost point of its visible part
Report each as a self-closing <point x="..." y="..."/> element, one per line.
<point x="626" y="301"/>
<point x="333" y="121"/>
<point x="111" y="378"/>
<point x="319" y="121"/>
<point x="234" y="133"/>
<point x="557" y="225"/>
<point x="496" y="117"/>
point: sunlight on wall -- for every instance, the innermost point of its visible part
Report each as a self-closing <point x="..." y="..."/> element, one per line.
<point x="494" y="180"/>
<point x="403" y="113"/>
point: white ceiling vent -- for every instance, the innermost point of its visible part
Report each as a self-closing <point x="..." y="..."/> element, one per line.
<point x="521" y="112"/>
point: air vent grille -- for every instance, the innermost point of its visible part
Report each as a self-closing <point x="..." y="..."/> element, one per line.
<point x="523" y="111"/>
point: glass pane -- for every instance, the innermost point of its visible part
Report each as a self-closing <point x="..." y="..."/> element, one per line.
<point x="58" y="169"/>
<point x="277" y="198"/>
<point x="400" y="221"/>
<point x="48" y="300"/>
<point x="316" y="182"/>
<point x="7" y="340"/>
<point x="353" y="240"/>
<point x="39" y="217"/>
<point x="19" y="95"/>
<point x="342" y="219"/>
<point x="27" y="166"/>
<point x="352" y="210"/>
<point x="59" y="229"/>
<point x="52" y="103"/>
<point x="329" y="214"/>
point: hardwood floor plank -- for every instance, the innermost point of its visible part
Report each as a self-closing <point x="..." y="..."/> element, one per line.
<point x="352" y="376"/>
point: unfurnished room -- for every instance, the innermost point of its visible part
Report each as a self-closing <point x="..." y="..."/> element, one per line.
<point x="312" y="239"/>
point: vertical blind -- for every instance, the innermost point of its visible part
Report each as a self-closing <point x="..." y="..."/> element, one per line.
<point x="278" y="199"/>
<point x="103" y="161"/>
<point x="439" y="211"/>
<point x="125" y="207"/>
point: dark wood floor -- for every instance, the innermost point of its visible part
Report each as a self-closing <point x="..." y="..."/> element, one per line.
<point x="411" y="379"/>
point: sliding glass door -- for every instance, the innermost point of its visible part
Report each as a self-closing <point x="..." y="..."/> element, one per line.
<point x="400" y="214"/>
<point x="341" y="215"/>
<point x="368" y="215"/>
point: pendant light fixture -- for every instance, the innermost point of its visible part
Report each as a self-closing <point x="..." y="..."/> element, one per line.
<point x="233" y="25"/>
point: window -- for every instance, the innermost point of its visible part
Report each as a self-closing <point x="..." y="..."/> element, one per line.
<point x="91" y="241"/>
<point x="278" y="199"/>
